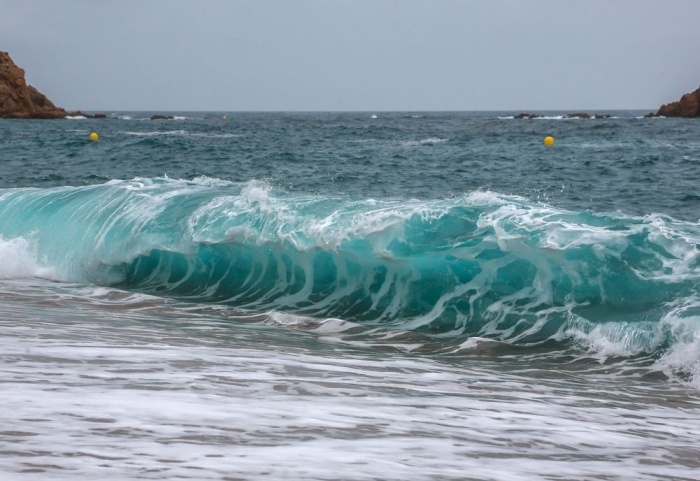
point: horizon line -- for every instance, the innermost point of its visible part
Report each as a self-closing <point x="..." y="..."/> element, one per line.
<point x="363" y="110"/>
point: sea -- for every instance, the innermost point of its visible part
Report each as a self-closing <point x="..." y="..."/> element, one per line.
<point x="350" y="296"/>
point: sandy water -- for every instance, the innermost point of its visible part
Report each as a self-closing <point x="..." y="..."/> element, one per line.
<point x="121" y="386"/>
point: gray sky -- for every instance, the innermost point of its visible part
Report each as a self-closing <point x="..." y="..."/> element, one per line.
<point x="378" y="55"/>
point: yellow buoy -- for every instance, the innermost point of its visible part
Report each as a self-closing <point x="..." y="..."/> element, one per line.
<point x="549" y="141"/>
<point x="94" y="137"/>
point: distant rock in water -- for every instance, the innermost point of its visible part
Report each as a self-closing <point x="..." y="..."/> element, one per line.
<point x="162" y="117"/>
<point x="525" y="115"/>
<point x="687" y="106"/>
<point x="21" y="101"/>
<point x="575" y="115"/>
<point x="578" y="115"/>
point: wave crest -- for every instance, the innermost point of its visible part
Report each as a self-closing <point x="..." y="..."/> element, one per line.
<point x="482" y="264"/>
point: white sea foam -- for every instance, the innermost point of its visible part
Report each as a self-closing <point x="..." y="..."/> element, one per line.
<point x="556" y="117"/>
<point x="181" y="133"/>
<point x="433" y="140"/>
<point x="682" y="327"/>
<point x="254" y="202"/>
<point x="676" y="337"/>
<point x="157" y="133"/>
<point x="542" y="117"/>
<point x="478" y="344"/>
<point x="601" y="144"/>
<point x="682" y="361"/>
<point x="616" y="339"/>
<point x="207" y="181"/>
<point x="18" y="260"/>
<point x="427" y="141"/>
<point x="100" y="387"/>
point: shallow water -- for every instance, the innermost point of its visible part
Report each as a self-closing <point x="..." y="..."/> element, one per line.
<point x="121" y="386"/>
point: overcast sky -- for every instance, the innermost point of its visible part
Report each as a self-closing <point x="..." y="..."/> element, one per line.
<point x="368" y="55"/>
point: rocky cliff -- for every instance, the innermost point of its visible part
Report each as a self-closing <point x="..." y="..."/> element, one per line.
<point x="21" y="101"/>
<point x="687" y="106"/>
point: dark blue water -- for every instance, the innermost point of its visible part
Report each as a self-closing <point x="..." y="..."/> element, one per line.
<point x="287" y="282"/>
<point x="635" y="165"/>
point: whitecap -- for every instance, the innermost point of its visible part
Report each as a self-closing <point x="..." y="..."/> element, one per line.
<point x="156" y="133"/>
<point x="19" y="260"/>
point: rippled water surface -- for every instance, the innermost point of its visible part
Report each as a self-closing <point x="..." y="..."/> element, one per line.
<point x="340" y="297"/>
<point x="119" y="386"/>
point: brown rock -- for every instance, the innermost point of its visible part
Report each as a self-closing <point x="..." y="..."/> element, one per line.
<point x="19" y="100"/>
<point x="687" y="106"/>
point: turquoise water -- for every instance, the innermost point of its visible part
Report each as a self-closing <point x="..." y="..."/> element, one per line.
<point x="405" y="294"/>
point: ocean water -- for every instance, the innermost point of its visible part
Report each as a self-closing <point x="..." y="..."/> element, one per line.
<point x="350" y="296"/>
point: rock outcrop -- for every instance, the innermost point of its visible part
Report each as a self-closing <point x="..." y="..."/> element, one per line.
<point x="687" y="106"/>
<point x="21" y="101"/>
